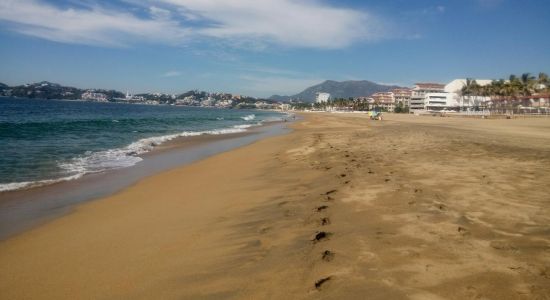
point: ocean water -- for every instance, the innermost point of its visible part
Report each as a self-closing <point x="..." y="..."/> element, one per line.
<point x="47" y="141"/>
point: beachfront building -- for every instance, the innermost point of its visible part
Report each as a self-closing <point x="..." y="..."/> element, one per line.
<point x="387" y="101"/>
<point x="427" y="96"/>
<point x="466" y="102"/>
<point x="93" y="96"/>
<point x="439" y="102"/>
<point x="402" y="96"/>
<point x="284" y="106"/>
<point x="322" y="97"/>
<point x="535" y="104"/>
<point x="384" y="101"/>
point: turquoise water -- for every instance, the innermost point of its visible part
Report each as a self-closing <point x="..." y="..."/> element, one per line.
<point x="47" y="141"/>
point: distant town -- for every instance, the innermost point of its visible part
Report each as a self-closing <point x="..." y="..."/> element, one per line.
<point x="524" y="94"/>
<point x="48" y="90"/>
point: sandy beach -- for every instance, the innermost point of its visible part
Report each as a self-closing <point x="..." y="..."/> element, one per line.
<point x="340" y="208"/>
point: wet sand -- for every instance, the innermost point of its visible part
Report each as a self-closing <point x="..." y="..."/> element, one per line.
<point x="23" y="209"/>
<point x="341" y="208"/>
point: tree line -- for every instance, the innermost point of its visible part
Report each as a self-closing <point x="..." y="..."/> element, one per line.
<point x="506" y="95"/>
<point x="353" y="104"/>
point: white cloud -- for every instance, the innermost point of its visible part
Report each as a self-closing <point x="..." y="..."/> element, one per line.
<point x="291" y="23"/>
<point x="158" y="13"/>
<point x="237" y="23"/>
<point x="93" y="26"/>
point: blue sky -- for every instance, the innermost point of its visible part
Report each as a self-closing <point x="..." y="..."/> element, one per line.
<point x="265" y="47"/>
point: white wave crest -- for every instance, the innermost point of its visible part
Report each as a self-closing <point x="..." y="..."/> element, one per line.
<point x="128" y="156"/>
<point x="4" y="187"/>
<point x="94" y="162"/>
<point x="249" y="117"/>
<point x="243" y="126"/>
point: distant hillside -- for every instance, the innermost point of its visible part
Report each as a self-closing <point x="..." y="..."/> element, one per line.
<point x="338" y="89"/>
<point x="280" y="98"/>
<point x="48" y="90"/>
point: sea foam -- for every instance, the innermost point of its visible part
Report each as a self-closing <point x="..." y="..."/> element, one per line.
<point x="249" y="117"/>
<point x="100" y="161"/>
<point x="4" y="187"/>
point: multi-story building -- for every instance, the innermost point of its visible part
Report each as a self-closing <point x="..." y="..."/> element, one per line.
<point x="322" y="97"/>
<point x="402" y="96"/>
<point x="438" y="101"/>
<point x="428" y="96"/>
<point x="384" y="100"/>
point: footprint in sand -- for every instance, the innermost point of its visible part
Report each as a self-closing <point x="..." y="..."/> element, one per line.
<point x="322" y="281"/>
<point x="330" y="192"/>
<point x="322" y="207"/>
<point x="321" y="236"/>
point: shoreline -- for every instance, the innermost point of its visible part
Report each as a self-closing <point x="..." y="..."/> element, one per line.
<point x="341" y="207"/>
<point x="24" y="209"/>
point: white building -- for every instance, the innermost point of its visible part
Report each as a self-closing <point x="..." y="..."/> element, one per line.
<point x="383" y="100"/>
<point x="93" y="96"/>
<point x="224" y="103"/>
<point x="438" y="101"/>
<point x="402" y="96"/>
<point x="322" y="97"/>
<point x="208" y="101"/>
<point x="420" y="97"/>
<point x="466" y="102"/>
<point x="284" y="106"/>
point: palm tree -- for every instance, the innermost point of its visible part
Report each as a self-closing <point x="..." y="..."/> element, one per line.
<point x="543" y="80"/>
<point x="469" y="89"/>
<point x="528" y="83"/>
<point x="498" y="89"/>
<point x="513" y="89"/>
<point x="543" y="85"/>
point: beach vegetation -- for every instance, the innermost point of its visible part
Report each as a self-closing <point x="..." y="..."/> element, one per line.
<point x="509" y="95"/>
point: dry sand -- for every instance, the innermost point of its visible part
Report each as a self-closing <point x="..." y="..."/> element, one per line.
<point x="341" y="208"/>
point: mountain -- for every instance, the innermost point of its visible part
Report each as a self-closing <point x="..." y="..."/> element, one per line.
<point x="339" y="89"/>
<point x="3" y="86"/>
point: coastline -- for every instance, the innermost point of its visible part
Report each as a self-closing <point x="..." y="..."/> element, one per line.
<point x="98" y="137"/>
<point x="341" y="207"/>
<point x="21" y="210"/>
